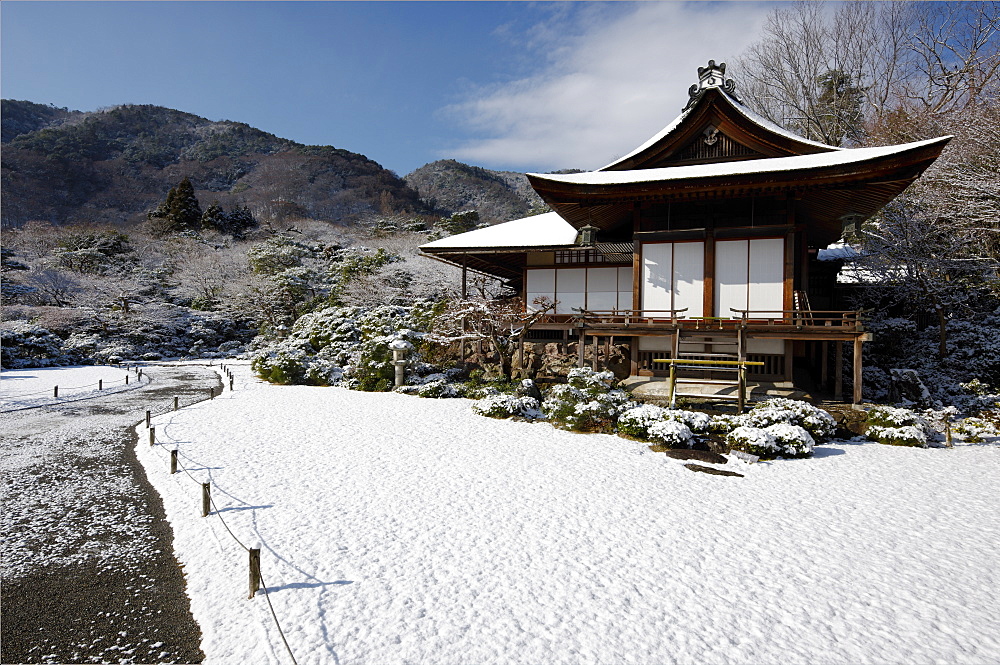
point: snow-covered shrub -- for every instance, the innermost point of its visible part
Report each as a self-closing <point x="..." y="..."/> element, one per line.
<point x="346" y="346"/>
<point x="438" y="388"/>
<point x="637" y="421"/>
<point x="24" y="344"/>
<point x="779" y="439"/>
<point x="673" y="433"/>
<point x="791" y="440"/>
<point x="587" y="403"/>
<point x="753" y="440"/>
<point x="974" y="430"/>
<point x="507" y="406"/>
<point x="897" y="427"/>
<point x="696" y="421"/>
<point x="725" y="423"/>
<point x="814" y="420"/>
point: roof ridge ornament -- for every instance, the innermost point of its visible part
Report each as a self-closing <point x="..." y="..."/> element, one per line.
<point x="712" y="76"/>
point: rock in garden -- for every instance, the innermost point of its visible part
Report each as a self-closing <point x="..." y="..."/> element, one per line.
<point x="906" y="387"/>
<point x="713" y="471"/>
<point x="706" y="456"/>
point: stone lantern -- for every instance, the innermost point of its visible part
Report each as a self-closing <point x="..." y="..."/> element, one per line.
<point x="400" y="348"/>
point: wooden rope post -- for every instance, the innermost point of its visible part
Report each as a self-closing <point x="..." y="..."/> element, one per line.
<point x="206" y="499"/>
<point x="152" y="435"/>
<point x="947" y="435"/>
<point x="211" y="393"/>
<point x="230" y="383"/>
<point x="100" y="384"/>
<point x="673" y="386"/>
<point x="149" y="416"/>
<point x="173" y="461"/>
<point x="140" y="373"/>
<point x="175" y="403"/>
<point x="55" y="392"/>
<point x="126" y="379"/>
<point x="254" y="571"/>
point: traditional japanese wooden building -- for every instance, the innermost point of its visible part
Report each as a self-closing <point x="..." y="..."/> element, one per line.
<point x="702" y="242"/>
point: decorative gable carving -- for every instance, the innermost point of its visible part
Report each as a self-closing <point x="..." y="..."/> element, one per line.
<point x="712" y="145"/>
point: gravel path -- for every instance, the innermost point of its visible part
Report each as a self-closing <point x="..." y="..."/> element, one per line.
<point x="89" y="573"/>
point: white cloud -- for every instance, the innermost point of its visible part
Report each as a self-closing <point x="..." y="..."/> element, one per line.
<point x="607" y="79"/>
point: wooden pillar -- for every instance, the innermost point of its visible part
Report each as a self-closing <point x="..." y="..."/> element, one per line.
<point x="465" y="278"/>
<point x="838" y="371"/>
<point x="636" y="261"/>
<point x="708" y="300"/>
<point x="581" y="347"/>
<point x="633" y="348"/>
<point x="857" y="370"/>
<point x="593" y="361"/>
<point x="824" y="362"/>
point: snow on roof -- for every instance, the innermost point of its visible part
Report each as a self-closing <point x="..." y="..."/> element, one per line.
<point x="545" y="230"/>
<point x="750" y="115"/>
<point x="767" y="165"/>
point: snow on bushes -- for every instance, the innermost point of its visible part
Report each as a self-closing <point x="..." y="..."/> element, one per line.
<point x="673" y="433"/>
<point x="638" y="422"/>
<point x="897" y="427"/>
<point x="587" y="402"/>
<point x="974" y="430"/>
<point x="348" y="346"/>
<point x="820" y="424"/>
<point x="779" y="439"/>
<point x="24" y="344"/>
<point x="507" y="406"/>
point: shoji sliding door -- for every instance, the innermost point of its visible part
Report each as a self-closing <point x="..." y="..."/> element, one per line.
<point x="750" y="275"/>
<point x="673" y="277"/>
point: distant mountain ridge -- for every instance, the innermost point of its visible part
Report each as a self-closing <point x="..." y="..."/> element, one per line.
<point x="113" y="165"/>
<point x="449" y="186"/>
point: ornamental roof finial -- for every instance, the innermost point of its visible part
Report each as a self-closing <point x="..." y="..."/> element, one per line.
<point x="712" y="76"/>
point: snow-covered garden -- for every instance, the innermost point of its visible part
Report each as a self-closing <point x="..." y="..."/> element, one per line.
<point x="399" y="529"/>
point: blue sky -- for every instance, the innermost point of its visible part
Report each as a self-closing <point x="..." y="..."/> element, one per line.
<point x="522" y="86"/>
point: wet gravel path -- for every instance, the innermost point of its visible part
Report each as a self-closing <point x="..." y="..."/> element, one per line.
<point x="89" y="573"/>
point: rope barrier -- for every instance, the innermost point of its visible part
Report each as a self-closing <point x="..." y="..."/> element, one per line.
<point x="217" y="513"/>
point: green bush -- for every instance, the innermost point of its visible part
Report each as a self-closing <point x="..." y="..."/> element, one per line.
<point x="897" y="427"/>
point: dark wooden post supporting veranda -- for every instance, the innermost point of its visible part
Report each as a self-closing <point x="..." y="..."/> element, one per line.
<point x="581" y="347"/>
<point x="838" y="371"/>
<point x="857" y="370"/>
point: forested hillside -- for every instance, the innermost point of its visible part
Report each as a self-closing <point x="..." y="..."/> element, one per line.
<point x="448" y="187"/>
<point x="112" y="166"/>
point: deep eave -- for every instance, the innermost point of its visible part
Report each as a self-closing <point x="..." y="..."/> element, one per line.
<point x="828" y="185"/>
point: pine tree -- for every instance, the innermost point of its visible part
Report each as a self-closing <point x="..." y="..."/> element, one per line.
<point x="215" y="218"/>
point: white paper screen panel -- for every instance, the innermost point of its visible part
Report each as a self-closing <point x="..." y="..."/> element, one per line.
<point x="732" y="264"/>
<point x="689" y="278"/>
<point x="767" y="277"/>
<point x="657" y="271"/>
<point x="625" y="288"/>
<point x="602" y="280"/>
<point x="540" y="282"/>
<point x="571" y="290"/>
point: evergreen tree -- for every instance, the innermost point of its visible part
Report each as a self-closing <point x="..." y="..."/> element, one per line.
<point x="184" y="210"/>
<point x="214" y="218"/>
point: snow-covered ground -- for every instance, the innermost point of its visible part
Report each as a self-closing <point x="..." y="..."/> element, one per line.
<point x="396" y="529"/>
<point x="25" y="388"/>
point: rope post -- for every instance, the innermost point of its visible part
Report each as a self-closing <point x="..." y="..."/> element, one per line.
<point x="173" y="461"/>
<point x="206" y="499"/>
<point x="55" y="392"/>
<point x="100" y="384"/>
<point x="152" y="435"/>
<point x="230" y="383"/>
<point x="126" y="379"/>
<point x="673" y="386"/>
<point x="175" y="402"/>
<point x="211" y="393"/>
<point x="947" y="434"/>
<point x="254" y="571"/>
<point x="149" y="416"/>
<point x="140" y="373"/>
